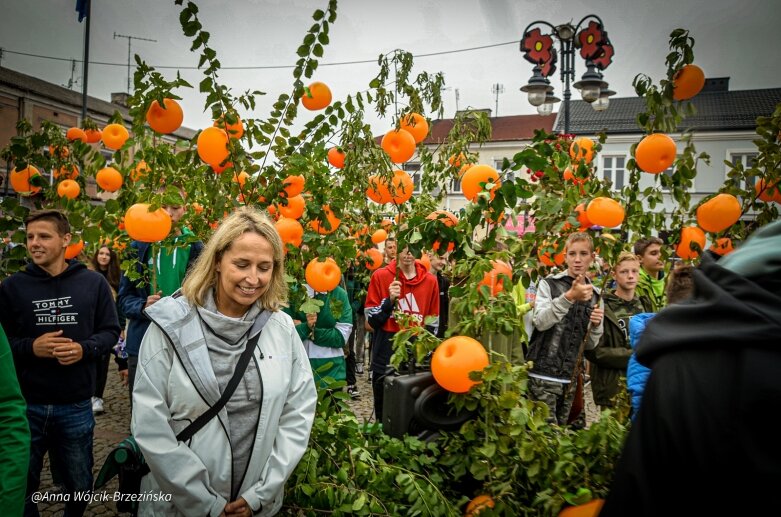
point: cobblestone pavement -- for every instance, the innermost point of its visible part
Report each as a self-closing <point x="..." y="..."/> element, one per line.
<point x="111" y="428"/>
<point x="114" y="425"/>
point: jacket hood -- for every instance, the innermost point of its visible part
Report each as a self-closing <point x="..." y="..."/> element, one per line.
<point x="73" y="266"/>
<point x="420" y="272"/>
<point x="727" y="309"/>
<point x="637" y="324"/>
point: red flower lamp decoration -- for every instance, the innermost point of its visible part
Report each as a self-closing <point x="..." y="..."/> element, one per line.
<point x="591" y="40"/>
<point x="606" y="57"/>
<point x="536" y="46"/>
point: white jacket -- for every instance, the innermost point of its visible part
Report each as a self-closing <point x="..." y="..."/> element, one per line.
<point x="175" y="384"/>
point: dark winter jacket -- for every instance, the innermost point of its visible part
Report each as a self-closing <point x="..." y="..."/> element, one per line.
<point x="133" y="294"/>
<point x="610" y="358"/>
<point x="559" y="329"/>
<point x="704" y="442"/>
<point x="444" y="304"/>
<point x="78" y="302"/>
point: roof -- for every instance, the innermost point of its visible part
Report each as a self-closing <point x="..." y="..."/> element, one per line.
<point x="56" y="93"/>
<point x="504" y="129"/>
<point x="716" y="111"/>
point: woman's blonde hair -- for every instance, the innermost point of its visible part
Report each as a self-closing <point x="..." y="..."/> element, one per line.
<point x="203" y="275"/>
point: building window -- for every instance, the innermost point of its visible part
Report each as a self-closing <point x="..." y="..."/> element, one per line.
<point x="508" y="175"/>
<point x="455" y="185"/>
<point x="746" y="160"/>
<point x="414" y="170"/>
<point x="613" y="169"/>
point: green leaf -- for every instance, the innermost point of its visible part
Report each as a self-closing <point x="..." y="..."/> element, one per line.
<point x="358" y="504"/>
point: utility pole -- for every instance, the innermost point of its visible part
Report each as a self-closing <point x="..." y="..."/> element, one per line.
<point x="496" y="89"/>
<point x="129" y="55"/>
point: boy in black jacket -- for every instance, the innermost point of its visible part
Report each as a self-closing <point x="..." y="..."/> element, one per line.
<point x="60" y="319"/>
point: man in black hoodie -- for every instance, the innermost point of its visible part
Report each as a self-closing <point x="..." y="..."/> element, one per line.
<point x="60" y="319"/>
<point x="705" y="441"/>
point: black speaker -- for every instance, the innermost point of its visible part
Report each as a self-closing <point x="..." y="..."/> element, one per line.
<point x="415" y="404"/>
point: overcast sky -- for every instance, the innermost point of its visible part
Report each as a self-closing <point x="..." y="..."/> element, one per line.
<point x="739" y="39"/>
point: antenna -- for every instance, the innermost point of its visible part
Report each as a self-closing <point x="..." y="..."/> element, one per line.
<point x="496" y="89"/>
<point x="73" y="79"/>
<point x="129" y="56"/>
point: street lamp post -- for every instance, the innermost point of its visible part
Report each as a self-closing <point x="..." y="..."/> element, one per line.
<point x="595" y="49"/>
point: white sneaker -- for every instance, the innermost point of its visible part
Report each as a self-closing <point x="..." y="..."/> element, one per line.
<point x="97" y="405"/>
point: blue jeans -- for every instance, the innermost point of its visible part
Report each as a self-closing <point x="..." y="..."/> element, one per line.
<point x="65" y="431"/>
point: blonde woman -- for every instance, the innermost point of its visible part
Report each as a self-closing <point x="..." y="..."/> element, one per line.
<point x="238" y="462"/>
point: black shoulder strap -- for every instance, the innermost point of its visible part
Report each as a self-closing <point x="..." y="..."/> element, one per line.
<point x="241" y="367"/>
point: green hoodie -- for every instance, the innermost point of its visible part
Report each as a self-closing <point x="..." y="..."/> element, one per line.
<point x="652" y="289"/>
<point x="15" y="435"/>
<point x="171" y="267"/>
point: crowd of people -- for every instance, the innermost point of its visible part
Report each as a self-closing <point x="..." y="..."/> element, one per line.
<point x="211" y="350"/>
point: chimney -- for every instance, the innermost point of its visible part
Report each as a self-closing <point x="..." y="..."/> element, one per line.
<point x="120" y="98"/>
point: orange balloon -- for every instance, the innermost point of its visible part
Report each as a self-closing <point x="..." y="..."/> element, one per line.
<point x="66" y="172"/>
<point x="336" y="157"/>
<point x="399" y="144"/>
<point x="570" y="176"/>
<point x="114" y="136"/>
<point x="318" y="97"/>
<point x="454" y="359"/>
<point x="373" y="259"/>
<point x="589" y="509"/>
<point x="20" y="180"/>
<point x="72" y="250"/>
<point x="402" y="187"/>
<point x="424" y="261"/>
<point x="605" y="212"/>
<point x="93" y="135"/>
<point x="145" y="226"/>
<point x="141" y="169"/>
<point x="718" y="213"/>
<point x="690" y="235"/>
<point x="583" y="219"/>
<point x="655" y="153"/>
<point x="295" y="207"/>
<point x="323" y="276"/>
<point x="219" y="169"/>
<point x="494" y="278"/>
<point x="379" y="236"/>
<point x="69" y="189"/>
<point x="688" y="82"/>
<point x="478" y="504"/>
<point x="109" y="179"/>
<point x="241" y="178"/>
<point x="722" y="246"/>
<point x="585" y="149"/>
<point x="333" y="221"/>
<point x="293" y="185"/>
<point x="76" y="133"/>
<point x="213" y="146"/>
<point x="166" y="119"/>
<point x="449" y="219"/>
<point x="290" y="231"/>
<point x="477" y="174"/>
<point x="545" y="258"/>
<point x="235" y="130"/>
<point x="378" y="190"/>
<point x="416" y="125"/>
